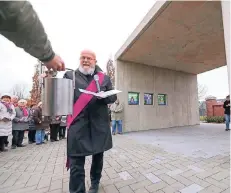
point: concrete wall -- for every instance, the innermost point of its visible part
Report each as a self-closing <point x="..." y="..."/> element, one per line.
<point x="181" y="90"/>
<point x="226" y="5"/>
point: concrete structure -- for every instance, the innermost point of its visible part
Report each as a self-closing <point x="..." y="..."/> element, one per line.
<point x="173" y="43"/>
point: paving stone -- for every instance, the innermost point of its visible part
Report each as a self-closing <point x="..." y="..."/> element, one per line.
<point x="211" y="189"/>
<point x="226" y="191"/>
<point x="141" y="190"/>
<point x="218" y="184"/>
<point x="144" y="167"/>
<point x="55" y="185"/>
<point x="194" y="188"/>
<point x="221" y="175"/>
<point x="140" y="185"/>
<point x="196" y="169"/>
<point x="183" y="180"/>
<point x="125" y="176"/>
<point x="24" y="190"/>
<point x="157" y="186"/>
<point x="152" y="178"/>
<point x="111" y="189"/>
<point x="198" y="181"/>
<point x="167" y="179"/>
<point x="174" y="172"/>
<point x="126" y="189"/>
<point x="177" y="186"/>
<point x="124" y="183"/>
<point x="34" y="180"/>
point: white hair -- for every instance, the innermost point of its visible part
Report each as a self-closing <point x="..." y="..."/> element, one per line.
<point x="14" y="96"/>
<point x="22" y="101"/>
<point x="39" y="104"/>
<point x="6" y="94"/>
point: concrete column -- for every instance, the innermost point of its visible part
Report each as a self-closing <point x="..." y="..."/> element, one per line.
<point x="226" y="5"/>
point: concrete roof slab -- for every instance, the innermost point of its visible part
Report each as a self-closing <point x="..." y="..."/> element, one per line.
<point x="186" y="36"/>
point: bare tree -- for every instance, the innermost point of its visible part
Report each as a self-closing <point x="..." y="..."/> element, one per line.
<point x="19" y="90"/>
<point x="202" y="91"/>
<point x="111" y="71"/>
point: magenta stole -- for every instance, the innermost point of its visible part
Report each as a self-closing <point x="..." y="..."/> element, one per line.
<point x="81" y="103"/>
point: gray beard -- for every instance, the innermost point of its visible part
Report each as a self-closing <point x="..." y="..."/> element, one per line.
<point x="90" y="71"/>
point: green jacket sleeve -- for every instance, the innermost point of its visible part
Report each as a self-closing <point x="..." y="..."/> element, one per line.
<point x="20" y="24"/>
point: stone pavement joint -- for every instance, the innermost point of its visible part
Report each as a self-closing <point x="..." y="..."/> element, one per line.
<point x="132" y="166"/>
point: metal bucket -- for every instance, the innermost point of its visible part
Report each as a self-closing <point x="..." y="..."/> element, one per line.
<point x="57" y="96"/>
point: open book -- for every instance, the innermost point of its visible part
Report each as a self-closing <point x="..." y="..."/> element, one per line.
<point x="103" y="94"/>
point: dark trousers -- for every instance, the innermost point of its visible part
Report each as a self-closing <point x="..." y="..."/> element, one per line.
<point x="2" y="142"/>
<point x="54" y="129"/>
<point x="18" y="136"/>
<point x="6" y="142"/>
<point x="77" y="172"/>
<point x="62" y="131"/>
<point x="31" y="135"/>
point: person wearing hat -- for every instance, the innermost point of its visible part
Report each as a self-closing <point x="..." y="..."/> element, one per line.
<point x="7" y="114"/>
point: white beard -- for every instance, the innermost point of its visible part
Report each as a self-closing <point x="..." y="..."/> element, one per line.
<point x="89" y="71"/>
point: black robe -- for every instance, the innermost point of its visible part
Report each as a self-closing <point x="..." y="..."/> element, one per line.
<point x="90" y="132"/>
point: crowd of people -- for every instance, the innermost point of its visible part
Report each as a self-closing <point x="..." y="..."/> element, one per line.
<point x="16" y="118"/>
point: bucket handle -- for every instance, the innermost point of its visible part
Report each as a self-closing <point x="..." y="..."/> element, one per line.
<point x="73" y="76"/>
<point x="54" y="74"/>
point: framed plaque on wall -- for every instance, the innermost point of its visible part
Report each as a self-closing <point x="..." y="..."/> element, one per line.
<point x="148" y="99"/>
<point x="133" y="98"/>
<point x="162" y="99"/>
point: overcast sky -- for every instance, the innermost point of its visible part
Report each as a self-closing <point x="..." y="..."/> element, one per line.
<point x="102" y="26"/>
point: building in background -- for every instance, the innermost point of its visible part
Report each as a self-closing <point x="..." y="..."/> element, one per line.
<point x="176" y="41"/>
<point x="214" y="106"/>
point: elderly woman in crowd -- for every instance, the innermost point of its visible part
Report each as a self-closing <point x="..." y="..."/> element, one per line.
<point x="7" y="114"/>
<point x="14" y="101"/>
<point x="20" y="124"/>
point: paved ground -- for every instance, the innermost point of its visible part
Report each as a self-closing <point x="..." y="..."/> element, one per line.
<point x="186" y="160"/>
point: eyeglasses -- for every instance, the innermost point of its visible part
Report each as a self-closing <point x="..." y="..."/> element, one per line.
<point x="86" y="58"/>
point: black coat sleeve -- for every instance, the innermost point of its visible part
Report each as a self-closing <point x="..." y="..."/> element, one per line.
<point x="110" y="99"/>
<point x="36" y="116"/>
<point x="224" y="105"/>
<point x="20" y="24"/>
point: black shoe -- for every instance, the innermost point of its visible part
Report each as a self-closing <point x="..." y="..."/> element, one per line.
<point x="30" y="142"/>
<point x="3" y="150"/>
<point x="13" y="147"/>
<point x="21" y="145"/>
<point x="227" y="129"/>
<point x="94" y="189"/>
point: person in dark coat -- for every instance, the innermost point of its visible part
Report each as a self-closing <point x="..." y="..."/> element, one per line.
<point x="20" y="24"/>
<point x="31" y="125"/>
<point x="54" y="128"/>
<point x="89" y="133"/>
<point x="41" y="124"/>
<point x="62" y="128"/>
<point x="227" y="112"/>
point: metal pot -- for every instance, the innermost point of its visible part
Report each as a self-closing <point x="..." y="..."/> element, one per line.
<point x="58" y="96"/>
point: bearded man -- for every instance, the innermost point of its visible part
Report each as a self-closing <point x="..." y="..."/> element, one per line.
<point x="88" y="128"/>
